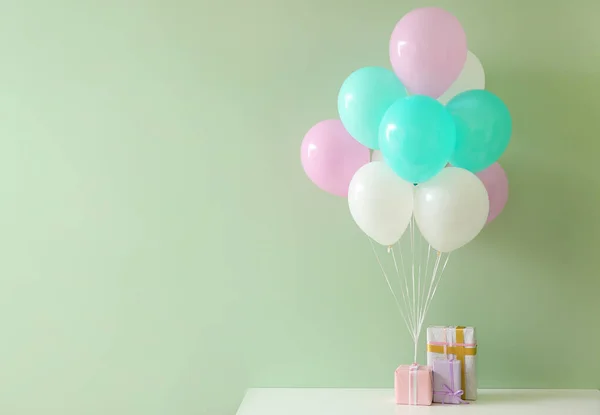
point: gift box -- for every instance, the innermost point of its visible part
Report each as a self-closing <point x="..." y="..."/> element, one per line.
<point x="447" y="381"/>
<point x="413" y="385"/>
<point x="458" y="343"/>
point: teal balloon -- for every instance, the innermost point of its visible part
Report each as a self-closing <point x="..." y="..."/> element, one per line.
<point x="364" y="98"/>
<point x="483" y="129"/>
<point x="416" y="137"/>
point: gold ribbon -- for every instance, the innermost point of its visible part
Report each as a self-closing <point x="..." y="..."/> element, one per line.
<point x="433" y="348"/>
<point x="459" y="351"/>
<point x="460" y="355"/>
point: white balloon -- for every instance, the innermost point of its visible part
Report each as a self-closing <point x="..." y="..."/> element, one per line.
<point x="380" y="202"/>
<point x="471" y="77"/>
<point x="451" y="209"/>
<point x="376" y="155"/>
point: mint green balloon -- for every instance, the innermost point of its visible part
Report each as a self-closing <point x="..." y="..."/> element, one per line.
<point x="416" y="137"/>
<point x="364" y="98"/>
<point x="483" y="129"/>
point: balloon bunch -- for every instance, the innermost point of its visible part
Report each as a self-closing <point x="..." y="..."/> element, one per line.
<point x="436" y="135"/>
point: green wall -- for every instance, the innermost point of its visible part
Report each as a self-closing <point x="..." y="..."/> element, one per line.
<point x="162" y="249"/>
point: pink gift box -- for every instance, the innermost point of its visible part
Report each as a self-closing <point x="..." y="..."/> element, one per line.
<point x="413" y="385"/>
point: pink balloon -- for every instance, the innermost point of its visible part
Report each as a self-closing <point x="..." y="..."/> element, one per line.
<point x="496" y="183"/>
<point x="330" y="156"/>
<point x="428" y="50"/>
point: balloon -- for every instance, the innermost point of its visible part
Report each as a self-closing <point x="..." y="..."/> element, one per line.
<point x="380" y="202"/>
<point x="496" y="183"/>
<point x="330" y="156"/>
<point x="483" y="129"/>
<point x="363" y="99"/>
<point x="417" y="137"/>
<point x="428" y="49"/>
<point x="451" y="209"/>
<point x="376" y="155"/>
<point x="471" y="77"/>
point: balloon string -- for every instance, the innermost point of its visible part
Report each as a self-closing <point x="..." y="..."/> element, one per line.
<point x="414" y="308"/>
<point x="435" y="288"/>
<point x="432" y="280"/>
<point x="404" y="296"/>
<point x="412" y="250"/>
<point x="391" y="289"/>
<point x="419" y="279"/>
<point x="422" y="293"/>
<point x="405" y="281"/>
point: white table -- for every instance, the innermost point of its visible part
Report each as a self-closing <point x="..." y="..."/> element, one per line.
<point x="381" y="402"/>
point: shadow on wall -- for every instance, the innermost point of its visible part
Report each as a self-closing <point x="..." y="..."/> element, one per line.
<point x="551" y="225"/>
<point x="553" y="216"/>
<point x="552" y="166"/>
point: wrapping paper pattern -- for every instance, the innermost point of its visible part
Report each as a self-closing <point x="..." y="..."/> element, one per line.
<point x="442" y="344"/>
<point x="413" y="385"/>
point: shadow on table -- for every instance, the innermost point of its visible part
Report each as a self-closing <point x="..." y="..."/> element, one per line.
<point x="519" y="396"/>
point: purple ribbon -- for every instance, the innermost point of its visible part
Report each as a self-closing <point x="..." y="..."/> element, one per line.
<point x="450" y="389"/>
<point x="449" y="392"/>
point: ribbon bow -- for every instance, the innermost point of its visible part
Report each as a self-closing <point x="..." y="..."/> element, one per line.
<point x="449" y="392"/>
